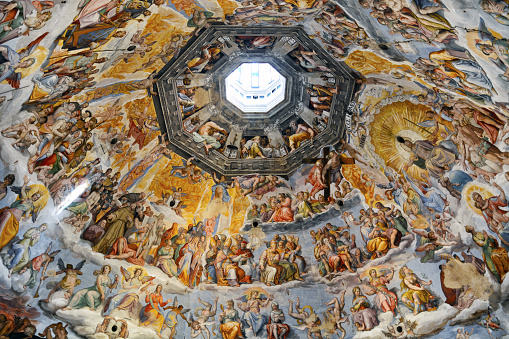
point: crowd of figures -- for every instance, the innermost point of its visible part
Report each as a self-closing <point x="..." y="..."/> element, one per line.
<point x="81" y="148"/>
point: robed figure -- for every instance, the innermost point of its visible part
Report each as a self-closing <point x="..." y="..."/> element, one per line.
<point x="119" y="222"/>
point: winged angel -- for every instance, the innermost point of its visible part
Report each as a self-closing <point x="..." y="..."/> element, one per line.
<point x="70" y="280"/>
<point x="133" y="285"/>
<point x="10" y="61"/>
<point x="171" y="318"/>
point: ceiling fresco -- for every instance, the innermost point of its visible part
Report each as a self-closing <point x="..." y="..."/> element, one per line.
<point x="368" y="200"/>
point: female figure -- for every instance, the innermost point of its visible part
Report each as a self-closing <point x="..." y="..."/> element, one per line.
<point x="10" y="216"/>
<point x="283" y="212"/>
<point x="364" y="317"/>
<point x="153" y="312"/>
<point x="128" y="297"/>
<point x="63" y="155"/>
<point x="93" y="296"/>
<point x="385" y="300"/>
<point x="185" y="260"/>
<point x="251" y="308"/>
<point x="166" y="260"/>
<point x="417" y="297"/>
<point x="230" y="322"/>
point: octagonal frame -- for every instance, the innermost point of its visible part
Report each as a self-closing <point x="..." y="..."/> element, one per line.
<point x="181" y="142"/>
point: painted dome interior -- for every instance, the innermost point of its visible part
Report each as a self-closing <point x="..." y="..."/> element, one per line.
<point x="275" y="169"/>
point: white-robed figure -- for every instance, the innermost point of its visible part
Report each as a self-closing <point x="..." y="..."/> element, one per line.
<point x="10" y="61"/>
<point x="93" y="296"/>
<point x="19" y="252"/>
<point x="51" y="86"/>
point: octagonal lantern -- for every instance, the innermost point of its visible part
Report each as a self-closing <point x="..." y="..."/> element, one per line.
<point x="255" y="87"/>
<point x="244" y="100"/>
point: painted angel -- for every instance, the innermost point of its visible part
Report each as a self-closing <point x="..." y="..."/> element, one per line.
<point x="35" y="265"/>
<point x="110" y="112"/>
<point x="169" y="51"/>
<point x="185" y="170"/>
<point x="27" y="204"/>
<point x="10" y="61"/>
<point x="147" y="84"/>
<point x="204" y="317"/>
<point x="139" y="47"/>
<point x="127" y="299"/>
<point x="171" y="318"/>
<point x="169" y="211"/>
<point x="70" y="280"/>
<point x="270" y="184"/>
<point x="177" y="193"/>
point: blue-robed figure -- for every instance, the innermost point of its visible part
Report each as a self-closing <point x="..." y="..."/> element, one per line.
<point x="433" y="198"/>
<point x="10" y="61"/>
<point x="251" y="305"/>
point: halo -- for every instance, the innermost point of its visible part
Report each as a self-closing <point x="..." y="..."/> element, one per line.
<point x="399" y="119"/>
<point x="39" y="55"/>
<point x="473" y="188"/>
<point x="257" y="289"/>
<point x="133" y="268"/>
<point x="43" y="199"/>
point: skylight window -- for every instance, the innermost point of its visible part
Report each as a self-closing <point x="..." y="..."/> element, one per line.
<point x="255" y="87"/>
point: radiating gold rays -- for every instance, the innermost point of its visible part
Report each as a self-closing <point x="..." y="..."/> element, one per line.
<point x="398" y="119"/>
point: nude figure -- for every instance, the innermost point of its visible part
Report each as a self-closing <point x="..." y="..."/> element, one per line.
<point x="49" y="178"/>
<point x="205" y="135"/>
<point x="169" y="50"/>
<point x="199" y="326"/>
<point x="21" y="130"/>
<point x="334" y="165"/>
<point x="337" y="310"/>
<point x="471" y="136"/>
<point x="307" y="318"/>
<point x="353" y="152"/>
<point x="146" y="84"/>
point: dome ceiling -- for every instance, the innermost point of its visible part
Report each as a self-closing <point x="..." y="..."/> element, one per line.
<point x="233" y="141"/>
<point x="254" y="169"/>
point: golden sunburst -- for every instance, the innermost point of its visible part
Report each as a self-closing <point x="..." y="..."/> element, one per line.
<point x="399" y="119"/>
